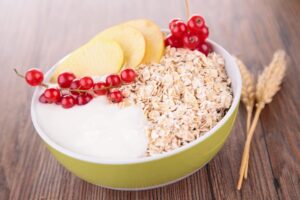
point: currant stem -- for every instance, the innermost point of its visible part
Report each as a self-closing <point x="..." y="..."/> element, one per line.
<point x="187" y="8"/>
<point x="19" y="74"/>
<point x="44" y="85"/>
<point x="79" y="90"/>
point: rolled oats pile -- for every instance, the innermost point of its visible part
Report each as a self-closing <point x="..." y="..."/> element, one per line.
<point x="182" y="97"/>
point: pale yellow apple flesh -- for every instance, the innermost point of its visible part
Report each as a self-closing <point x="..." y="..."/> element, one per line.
<point x="130" y="39"/>
<point x="153" y="36"/>
<point x="97" y="58"/>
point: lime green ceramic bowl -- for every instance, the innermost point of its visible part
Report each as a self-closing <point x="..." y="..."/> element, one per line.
<point x="150" y="172"/>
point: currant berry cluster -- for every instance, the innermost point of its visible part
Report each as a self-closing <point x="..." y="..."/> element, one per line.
<point x="73" y="91"/>
<point x="191" y="35"/>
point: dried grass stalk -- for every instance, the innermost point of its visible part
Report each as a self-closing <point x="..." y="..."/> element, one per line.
<point x="248" y="96"/>
<point x="267" y="86"/>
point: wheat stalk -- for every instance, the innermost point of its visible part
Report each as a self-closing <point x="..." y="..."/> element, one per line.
<point x="267" y="86"/>
<point x="248" y="96"/>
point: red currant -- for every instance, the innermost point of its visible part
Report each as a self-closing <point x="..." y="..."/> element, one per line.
<point x="52" y="95"/>
<point x="173" y="41"/>
<point x="205" y="48"/>
<point x="75" y="85"/>
<point x="58" y="102"/>
<point x="98" y="88"/>
<point x="178" y="29"/>
<point x="84" y="99"/>
<point x="115" y="96"/>
<point x="128" y="75"/>
<point x="65" y="79"/>
<point x="203" y="34"/>
<point x="86" y="83"/>
<point x="43" y="99"/>
<point x="191" y="41"/>
<point x="34" y="77"/>
<point x="113" y="80"/>
<point x="195" y="23"/>
<point x="68" y="101"/>
<point x="172" y="22"/>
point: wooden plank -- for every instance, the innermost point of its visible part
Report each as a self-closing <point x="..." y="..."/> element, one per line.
<point x="39" y="33"/>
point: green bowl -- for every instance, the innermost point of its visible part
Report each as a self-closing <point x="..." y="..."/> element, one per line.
<point x="156" y="171"/>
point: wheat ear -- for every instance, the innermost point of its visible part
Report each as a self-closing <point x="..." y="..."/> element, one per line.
<point x="267" y="86"/>
<point x="248" y="90"/>
<point x="248" y="97"/>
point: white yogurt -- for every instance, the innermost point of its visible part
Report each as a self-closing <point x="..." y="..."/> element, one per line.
<point x="98" y="129"/>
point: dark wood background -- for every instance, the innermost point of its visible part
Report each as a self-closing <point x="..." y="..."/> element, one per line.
<point x="40" y="32"/>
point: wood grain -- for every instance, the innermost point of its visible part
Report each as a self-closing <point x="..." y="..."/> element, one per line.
<point x="40" y="32"/>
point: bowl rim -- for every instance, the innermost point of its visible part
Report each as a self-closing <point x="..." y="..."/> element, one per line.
<point x="127" y="161"/>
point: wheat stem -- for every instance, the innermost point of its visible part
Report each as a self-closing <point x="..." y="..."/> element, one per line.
<point x="249" y="116"/>
<point x="247" y="145"/>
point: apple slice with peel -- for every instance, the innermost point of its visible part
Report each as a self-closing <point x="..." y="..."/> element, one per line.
<point x="153" y="36"/>
<point x="97" y="58"/>
<point x="130" y="39"/>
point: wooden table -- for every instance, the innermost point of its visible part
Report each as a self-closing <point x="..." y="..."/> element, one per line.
<point x="39" y="33"/>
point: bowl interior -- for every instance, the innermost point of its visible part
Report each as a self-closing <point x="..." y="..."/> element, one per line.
<point x="233" y="73"/>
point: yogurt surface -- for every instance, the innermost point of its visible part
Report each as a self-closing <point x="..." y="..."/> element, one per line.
<point x="98" y="129"/>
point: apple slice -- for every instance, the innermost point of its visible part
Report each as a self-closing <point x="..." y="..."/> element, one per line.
<point x="103" y="56"/>
<point x="130" y="39"/>
<point x="153" y="36"/>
